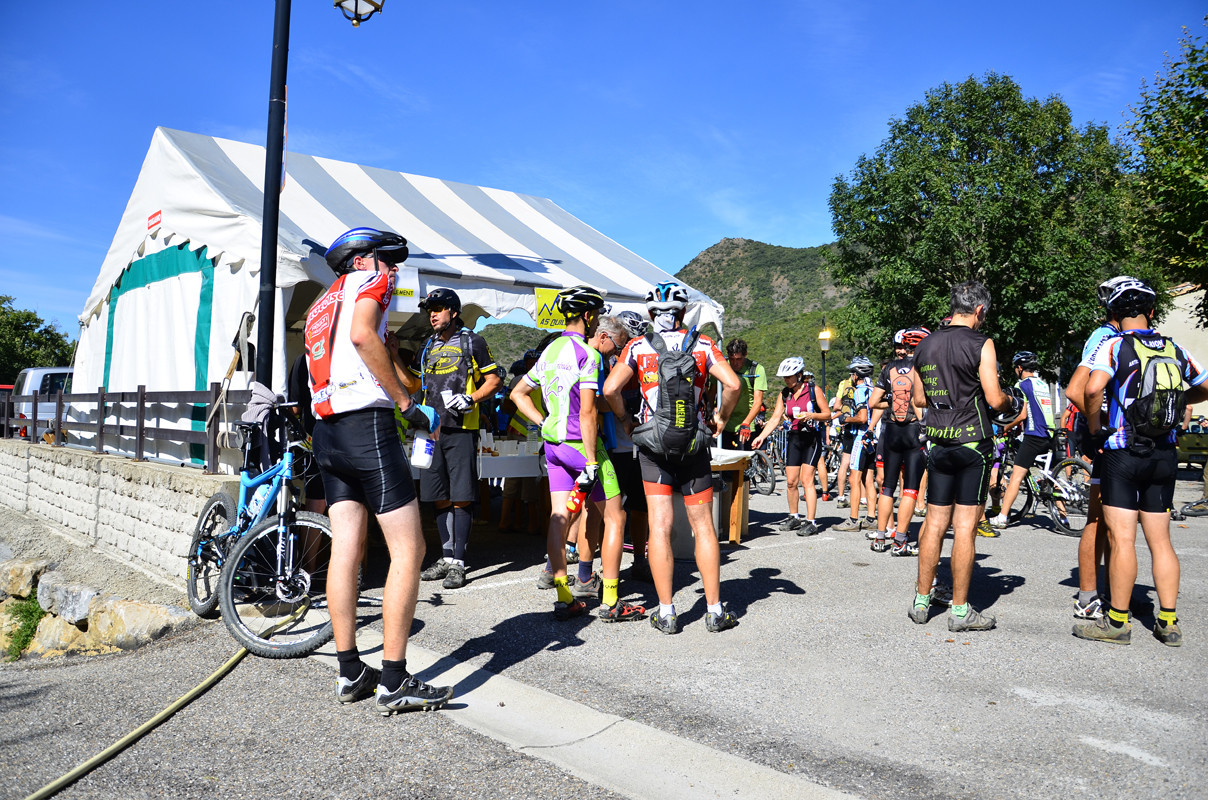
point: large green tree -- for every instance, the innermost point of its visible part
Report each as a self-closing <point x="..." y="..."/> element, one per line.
<point x="979" y="182"/>
<point x="1170" y="131"/>
<point x="28" y="341"/>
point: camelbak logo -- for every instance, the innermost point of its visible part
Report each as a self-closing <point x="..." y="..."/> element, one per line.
<point x="681" y="414"/>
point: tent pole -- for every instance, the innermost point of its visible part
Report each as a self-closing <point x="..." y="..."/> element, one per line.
<point x="274" y="180"/>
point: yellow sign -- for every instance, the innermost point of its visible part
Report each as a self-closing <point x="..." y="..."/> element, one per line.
<point x="548" y="317"/>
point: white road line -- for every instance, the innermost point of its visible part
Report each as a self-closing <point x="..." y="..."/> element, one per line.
<point x="1124" y="750"/>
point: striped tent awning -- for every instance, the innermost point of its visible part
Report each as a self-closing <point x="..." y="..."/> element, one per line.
<point x="496" y="245"/>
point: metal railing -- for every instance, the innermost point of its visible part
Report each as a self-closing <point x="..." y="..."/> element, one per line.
<point x="130" y="412"/>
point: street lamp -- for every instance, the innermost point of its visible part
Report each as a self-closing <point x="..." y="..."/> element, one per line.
<point x="359" y="10"/>
<point x="274" y="174"/>
<point x="824" y="341"/>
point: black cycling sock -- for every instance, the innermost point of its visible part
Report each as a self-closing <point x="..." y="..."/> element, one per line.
<point x="350" y="663"/>
<point x="393" y="674"/>
<point x="444" y="526"/>
<point x="460" y="524"/>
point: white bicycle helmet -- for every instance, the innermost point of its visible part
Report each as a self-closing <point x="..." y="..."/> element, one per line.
<point x="1108" y="287"/>
<point x="633" y="322"/>
<point x="790" y="366"/>
<point x="1131" y="297"/>
<point x="667" y="296"/>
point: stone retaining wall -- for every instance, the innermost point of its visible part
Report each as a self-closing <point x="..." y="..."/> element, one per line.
<point x="138" y="511"/>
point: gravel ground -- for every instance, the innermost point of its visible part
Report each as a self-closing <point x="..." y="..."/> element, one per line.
<point x="825" y="678"/>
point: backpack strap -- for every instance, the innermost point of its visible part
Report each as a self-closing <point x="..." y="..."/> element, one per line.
<point x="656" y="342"/>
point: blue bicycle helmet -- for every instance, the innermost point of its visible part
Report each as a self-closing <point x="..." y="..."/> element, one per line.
<point x="390" y="248"/>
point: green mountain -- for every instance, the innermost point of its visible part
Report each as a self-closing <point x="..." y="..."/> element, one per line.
<point x="508" y="342"/>
<point x="775" y="299"/>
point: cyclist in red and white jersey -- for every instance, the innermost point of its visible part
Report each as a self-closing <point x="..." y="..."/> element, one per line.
<point x="355" y="385"/>
<point x="692" y="476"/>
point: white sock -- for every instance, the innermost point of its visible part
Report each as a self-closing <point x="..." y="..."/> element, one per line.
<point x="454" y="562"/>
<point x="714" y="609"/>
<point x="666" y="611"/>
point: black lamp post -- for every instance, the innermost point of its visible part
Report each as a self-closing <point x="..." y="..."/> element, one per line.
<point x="824" y="342"/>
<point x="274" y="173"/>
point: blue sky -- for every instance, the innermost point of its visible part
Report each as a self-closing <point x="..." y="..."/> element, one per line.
<point x="667" y="126"/>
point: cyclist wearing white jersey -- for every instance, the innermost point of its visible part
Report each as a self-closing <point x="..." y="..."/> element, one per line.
<point x="355" y="385"/>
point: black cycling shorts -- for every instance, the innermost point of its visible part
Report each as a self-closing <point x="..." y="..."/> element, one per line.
<point x="959" y="473"/>
<point x="902" y="454"/>
<point x="690" y="477"/>
<point x="802" y="448"/>
<point x="730" y="440"/>
<point x="453" y="475"/>
<point x="629" y="476"/>
<point x="847" y="438"/>
<point x="361" y="459"/>
<point x="1030" y="448"/>
<point x="1138" y="483"/>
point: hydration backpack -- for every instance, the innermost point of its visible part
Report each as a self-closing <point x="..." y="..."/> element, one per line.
<point x="1159" y="404"/>
<point x="674" y="431"/>
<point x="901" y="389"/>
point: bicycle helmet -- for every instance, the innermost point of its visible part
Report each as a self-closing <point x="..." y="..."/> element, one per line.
<point x="441" y="298"/>
<point x="1109" y="286"/>
<point x="861" y="366"/>
<point x="1026" y="359"/>
<point x="790" y="366"/>
<point x="897" y="337"/>
<point x="578" y="300"/>
<point x="911" y="337"/>
<point x="1130" y="298"/>
<point x="633" y="322"/>
<point x="390" y="247"/>
<point x="667" y="296"/>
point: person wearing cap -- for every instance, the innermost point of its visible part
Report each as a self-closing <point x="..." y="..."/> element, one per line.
<point x="1146" y="379"/>
<point x="355" y="387"/>
<point x="458" y="372"/>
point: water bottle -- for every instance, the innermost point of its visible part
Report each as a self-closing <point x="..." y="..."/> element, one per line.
<point x="533" y="439"/>
<point x="574" y="503"/>
<point x="257" y="502"/>
<point x="421" y="451"/>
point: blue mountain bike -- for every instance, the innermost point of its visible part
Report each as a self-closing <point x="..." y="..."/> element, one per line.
<point x="260" y="559"/>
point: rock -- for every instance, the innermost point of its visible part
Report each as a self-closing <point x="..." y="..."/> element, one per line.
<point x="126" y="624"/>
<point x="67" y="600"/>
<point x="8" y="625"/>
<point x="56" y="635"/>
<point x="17" y="576"/>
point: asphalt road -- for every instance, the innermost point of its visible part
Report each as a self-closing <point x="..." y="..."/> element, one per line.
<point x="825" y="678"/>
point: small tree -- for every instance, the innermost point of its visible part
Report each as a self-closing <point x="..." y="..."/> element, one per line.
<point x="978" y="182"/>
<point x="28" y="341"/>
<point x="1170" y="131"/>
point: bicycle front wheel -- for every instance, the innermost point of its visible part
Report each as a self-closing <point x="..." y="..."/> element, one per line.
<point x="1071" y="496"/>
<point x="1023" y="501"/>
<point x="277" y="607"/>
<point x="207" y="552"/>
<point x="762" y="473"/>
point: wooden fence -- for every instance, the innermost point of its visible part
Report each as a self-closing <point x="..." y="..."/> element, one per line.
<point x="130" y="413"/>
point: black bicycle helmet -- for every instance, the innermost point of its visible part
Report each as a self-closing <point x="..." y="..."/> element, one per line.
<point x="1026" y="359"/>
<point x="578" y="300"/>
<point x="441" y="298"/>
<point x="390" y="247"/>
<point x="1108" y="287"/>
<point x="1131" y="298"/>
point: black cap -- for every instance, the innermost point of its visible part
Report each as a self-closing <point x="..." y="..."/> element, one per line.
<point x="441" y="298"/>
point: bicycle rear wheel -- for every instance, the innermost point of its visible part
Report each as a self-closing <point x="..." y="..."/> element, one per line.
<point x="762" y="473"/>
<point x="279" y="615"/>
<point x="1073" y="491"/>
<point x="207" y="552"/>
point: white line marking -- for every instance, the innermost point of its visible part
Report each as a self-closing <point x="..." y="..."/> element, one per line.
<point x="1124" y="750"/>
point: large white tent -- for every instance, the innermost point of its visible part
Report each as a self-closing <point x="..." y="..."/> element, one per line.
<point x="184" y="264"/>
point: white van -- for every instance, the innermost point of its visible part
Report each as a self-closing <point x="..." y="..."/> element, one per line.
<point x="42" y="381"/>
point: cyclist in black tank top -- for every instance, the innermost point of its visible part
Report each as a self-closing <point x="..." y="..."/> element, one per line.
<point x="956" y="381"/>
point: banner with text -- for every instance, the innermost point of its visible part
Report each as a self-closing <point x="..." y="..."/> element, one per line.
<point x="406" y="290"/>
<point x="548" y="317"/>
